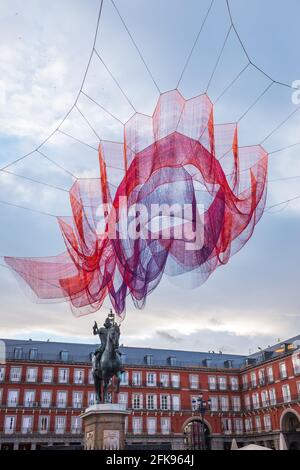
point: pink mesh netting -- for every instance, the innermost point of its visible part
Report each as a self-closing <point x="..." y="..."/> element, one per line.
<point x="177" y="157"/>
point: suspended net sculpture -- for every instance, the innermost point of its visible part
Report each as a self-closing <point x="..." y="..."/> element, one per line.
<point x="177" y="197"/>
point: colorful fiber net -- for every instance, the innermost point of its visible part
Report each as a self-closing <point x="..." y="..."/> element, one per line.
<point x="177" y="158"/>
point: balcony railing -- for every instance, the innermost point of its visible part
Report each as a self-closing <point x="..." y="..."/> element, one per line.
<point x="77" y="405"/>
<point x="8" y="430"/>
<point x="26" y="430"/>
<point x="41" y="434"/>
<point x="12" y="403"/>
<point x="280" y="400"/>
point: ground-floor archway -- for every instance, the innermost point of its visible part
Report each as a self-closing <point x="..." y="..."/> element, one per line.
<point x="196" y="435"/>
<point x="290" y="427"/>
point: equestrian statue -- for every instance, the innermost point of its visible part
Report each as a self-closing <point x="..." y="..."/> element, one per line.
<point x="106" y="361"/>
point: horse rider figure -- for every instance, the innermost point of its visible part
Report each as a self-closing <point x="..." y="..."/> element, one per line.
<point x="103" y="333"/>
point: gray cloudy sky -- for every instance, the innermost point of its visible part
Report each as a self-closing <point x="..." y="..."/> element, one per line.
<point x="44" y="48"/>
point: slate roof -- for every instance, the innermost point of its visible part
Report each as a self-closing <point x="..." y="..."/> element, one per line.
<point x="80" y="353"/>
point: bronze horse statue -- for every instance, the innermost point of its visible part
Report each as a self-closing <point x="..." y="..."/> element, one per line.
<point x="106" y="364"/>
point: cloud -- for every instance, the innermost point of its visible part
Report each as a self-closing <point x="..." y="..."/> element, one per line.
<point x="246" y="304"/>
<point x="169" y="336"/>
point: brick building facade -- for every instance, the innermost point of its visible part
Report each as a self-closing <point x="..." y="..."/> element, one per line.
<point x="45" y="386"/>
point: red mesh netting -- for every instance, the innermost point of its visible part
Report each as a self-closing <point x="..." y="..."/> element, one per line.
<point x="179" y="158"/>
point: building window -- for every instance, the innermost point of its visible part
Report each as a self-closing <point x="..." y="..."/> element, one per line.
<point x="165" y="402"/>
<point x="193" y="399"/>
<point x="265" y="398"/>
<point x="91" y="378"/>
<point x="29" y="398"/>
<point x="253" y="379"/>
<point x="151" y="402"/>
<point x="224" y="403"/>
<point x="47" y="375"/>
<point x="151" y="425"/>
<point x="64" y="356"/>
<point x="31" y="374"/>
<point x="194" y="381"/>
<point x="267" y="422"/>
<point x="175" y="378"/>
<point x="10" y="424"/>
<point x="77" y="399"/>
<point x="137" y="401"/>
<point x="63" y="376"/>
<point x="124" y="378"/>
<point x="44" y="424"/>
<point x="272" y="395"/>
<point x="245" y="382"/>
<point x="247" y="402"/>
<point x="214" y="403"/>
<point x="2" y="374"/>
<point x="33" y="354"/>
<point x="255" y="400"/>
<point x="212" y="382"/>
<point x="60" y="424"/>
<point x="270" y="375"/>
<point x="248" y="424"/>
<point x="234" y="381"/>
<point x="164" y="380"/>
<point x="27" y="422"/>
<point x="91" y="398"/>
<point x="137" y="378"/>
<point x="137" y="424"/>
<point x="286" y="394"/>
<point x="148" y="359"/>
<point x="78" y="376"/>
<point x="15" y="374"/>
<point x="296" y="363"/>
<point x="261" y="377"/>
<point x="238" y="426"/>
<point x="282" y="370"/>
<point x="176" y="402"/>
<point x="151" y="379"/>
<point x="62" y="399"/>
<point x="76" y="424"/>
<point x="12" y="397"/>
<point x="172" y="361"/>
<point x="222" y="383"/>
<point x="165" y="424"/>
<point x="18" y="353"/>
<point x="46" y="396"/>
<point x="123" y="399"/>
<point x="258" y="423"/>
<point x="236" y="403"/>
<point x="227" y="425"/>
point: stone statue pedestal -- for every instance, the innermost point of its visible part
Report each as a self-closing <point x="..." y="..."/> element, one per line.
<point x="104" y="427"/>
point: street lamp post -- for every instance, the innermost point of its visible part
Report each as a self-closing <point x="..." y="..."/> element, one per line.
<point x="201" y="406"/>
